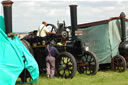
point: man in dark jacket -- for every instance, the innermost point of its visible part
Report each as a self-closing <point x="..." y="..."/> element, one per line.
<point x="52" y="52"/>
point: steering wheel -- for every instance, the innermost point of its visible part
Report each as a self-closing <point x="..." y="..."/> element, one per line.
<point x="53" y="28"/>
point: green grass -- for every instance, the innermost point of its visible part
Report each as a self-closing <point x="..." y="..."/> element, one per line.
<point x="101" y="78"/>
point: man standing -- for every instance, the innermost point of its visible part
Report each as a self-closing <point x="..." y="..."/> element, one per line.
<point x="52" y="52"/>
<point x="42" y="30"/>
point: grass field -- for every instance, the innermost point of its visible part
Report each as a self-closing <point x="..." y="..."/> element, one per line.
<point x="101" y="78"/>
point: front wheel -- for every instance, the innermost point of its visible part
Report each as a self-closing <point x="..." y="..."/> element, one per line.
<point x="88" y="64"/>
<point x="66" y="66"/>
<point x="118" y="64"/>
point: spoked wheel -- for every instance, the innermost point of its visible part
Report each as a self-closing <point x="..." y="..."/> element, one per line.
<point x="88" y="64"/>
<point x="66" y="65"/>
<point x="118" y="64"/>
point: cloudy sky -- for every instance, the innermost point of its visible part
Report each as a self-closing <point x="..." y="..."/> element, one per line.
<point x="28" y="14"/>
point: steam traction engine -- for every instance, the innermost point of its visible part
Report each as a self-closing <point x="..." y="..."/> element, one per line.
<point x="73" y="54"/>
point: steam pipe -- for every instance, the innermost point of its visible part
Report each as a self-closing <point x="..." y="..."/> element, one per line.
<point x="123" y="27"/>
<point x="7" y="7"/>
<point x="73" y="14"/>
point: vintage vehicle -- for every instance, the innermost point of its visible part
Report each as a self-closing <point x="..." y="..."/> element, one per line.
<point x="107" y="39"/>
<point x="101" y="37"/>
<point x="73" y="53"/>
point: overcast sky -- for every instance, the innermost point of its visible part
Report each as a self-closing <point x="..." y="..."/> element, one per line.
<point x="28" y="14"/>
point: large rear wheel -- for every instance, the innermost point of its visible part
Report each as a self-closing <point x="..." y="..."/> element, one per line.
<point x="25" y="75"/>
<point x="66" y="65"/>
<point x="28" y="46"/>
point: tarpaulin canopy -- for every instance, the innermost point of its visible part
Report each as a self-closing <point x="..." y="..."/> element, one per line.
<point x="103" y="39"/>
<point x="12" y="56"/>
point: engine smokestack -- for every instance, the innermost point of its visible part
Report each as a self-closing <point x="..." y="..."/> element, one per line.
<point x="7" y="7"/>
<point x="123" y="27"/>
<point x="73" y="14"/>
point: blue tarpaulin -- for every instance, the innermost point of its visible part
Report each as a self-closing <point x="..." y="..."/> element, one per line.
<point x="2" y="26"/>
<point x="12" y="56"/>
